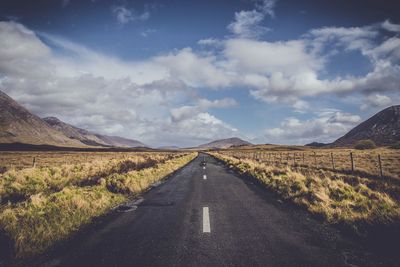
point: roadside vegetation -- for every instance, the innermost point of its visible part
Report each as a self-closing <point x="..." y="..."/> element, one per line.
<point x="41" y="206"/>
<point x="365" y="144"/>
<point x="345" y="199"/>
<point x="366" y="162"/>
<point x="396" y="145"/>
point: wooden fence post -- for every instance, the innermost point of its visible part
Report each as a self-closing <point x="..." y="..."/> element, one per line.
<point x="333" y="163"/>
<point x="294" y="159"/>
<point x="288" y="163"/>
<point x="303" y="158"/>
<point x="34" y="162"/>
<point x="380" y="165"/>
<point x="352" y="161"/>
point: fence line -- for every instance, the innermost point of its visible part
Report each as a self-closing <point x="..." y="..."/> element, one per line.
<point x="15" y="160"/>
<point x="349" y="162"/>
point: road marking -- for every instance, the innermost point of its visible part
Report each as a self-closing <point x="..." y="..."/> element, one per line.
<point x="205" y="177"/>
<point x="204" y="168"/>
<point x="206" y="221"/>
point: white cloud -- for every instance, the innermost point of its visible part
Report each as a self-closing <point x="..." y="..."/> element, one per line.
<point x="387" y="25"/>
<point x="125" y="15"/>
<point x="247" y="24"/>
<point x="102" y="93"/>
<point x="199" y="128"/>
<point x="326" y="128"/>
<point x="339" y="117"/>
<point x="266" y="6"/>
<point x="195" y="70"/>
<point x="209" y="42"/>
<point x="160" y="93"/>
<point x="187" y="112"/>
<point x="376" y="101"/>
<point x="252" y="56"/>
<point x="288" y="71"/>
<point x="388" y="50"/>
<point x="21" y="50"/>
<point x="352" y="38"/>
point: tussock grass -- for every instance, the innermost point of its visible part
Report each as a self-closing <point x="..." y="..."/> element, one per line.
<point x="365" y="161"/>
<point x="47" y="216"/>
<point x="136" y="181"/>
<point x="19" y="185"/>
<point x="38" y="223"/>
<point x="338" y="198"/>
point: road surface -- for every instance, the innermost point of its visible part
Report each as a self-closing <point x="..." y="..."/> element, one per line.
<point x="209" y="216"/>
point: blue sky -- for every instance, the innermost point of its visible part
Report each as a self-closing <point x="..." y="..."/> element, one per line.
<point x="187" y="72"/>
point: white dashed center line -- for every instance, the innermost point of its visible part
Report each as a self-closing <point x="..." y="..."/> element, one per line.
<point x="205" y="177"/>
<point x="204" y="167"/>
<point x="206" y="221"/>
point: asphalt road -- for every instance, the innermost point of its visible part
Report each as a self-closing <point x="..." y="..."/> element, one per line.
<point x="210" y="217"/>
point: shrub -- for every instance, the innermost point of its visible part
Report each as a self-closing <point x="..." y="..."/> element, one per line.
<point x="396" y="145"/>
<point x="365" y="144"/>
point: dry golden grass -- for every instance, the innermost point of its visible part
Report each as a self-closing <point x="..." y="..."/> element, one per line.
<point x="17" y="185"/>
<point x="20" y="160"/>
<point x="365" y="161"/>
<point x="340" y="198"/>
<point x="57" y="201"/>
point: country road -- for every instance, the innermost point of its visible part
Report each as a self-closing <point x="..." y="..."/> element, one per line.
<point x="210" y="217"/>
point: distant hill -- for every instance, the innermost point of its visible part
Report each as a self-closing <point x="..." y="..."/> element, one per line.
<point x="225" y="143"/>
<point x="169" y="147"/>
<point x="383" y="128"/>
<point x="316" y="144"/>
<point x="90" y="138"/>
<point x="73" y="132"/>
<point x="120" y="141"/>
<point x="18" y="125"/>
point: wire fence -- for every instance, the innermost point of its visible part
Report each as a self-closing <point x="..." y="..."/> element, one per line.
<point x="382" y="164"/>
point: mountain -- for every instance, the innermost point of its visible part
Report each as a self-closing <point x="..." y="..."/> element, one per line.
<point x="225" y="143"/>
<point x="315" y="144"/>
<point x="18" y="125"/>
<point x="383" y="128"/>
<point x="120" y="141"/>
<point x="169" y="147"/>
<point x="90" y="138"/>
<point x="74" y="132"/>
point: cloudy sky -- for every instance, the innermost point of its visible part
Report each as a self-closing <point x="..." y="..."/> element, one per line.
<point x="180" y="72"/>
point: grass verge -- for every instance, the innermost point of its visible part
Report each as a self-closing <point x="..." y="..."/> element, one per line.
<point x="42" y="220"/>
<point x="336" y="198"/>
<point x="19" y="185"/>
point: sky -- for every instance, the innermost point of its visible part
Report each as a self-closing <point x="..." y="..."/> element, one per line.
<point x="181" y="72"/>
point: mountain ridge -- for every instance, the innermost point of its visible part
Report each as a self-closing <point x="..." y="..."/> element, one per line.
<point x="91" y="138"/>
<point x="383" y="128"/>
<point x="19" y="126"/>
<point x="225" y="143"/>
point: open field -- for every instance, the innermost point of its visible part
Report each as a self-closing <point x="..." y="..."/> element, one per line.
<point x="359" y="200"/>
<point x="21" y="160"/>
<point x="208" y="215"/>
<point x="365" y="162"/>
<point x="45" y="204"/>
